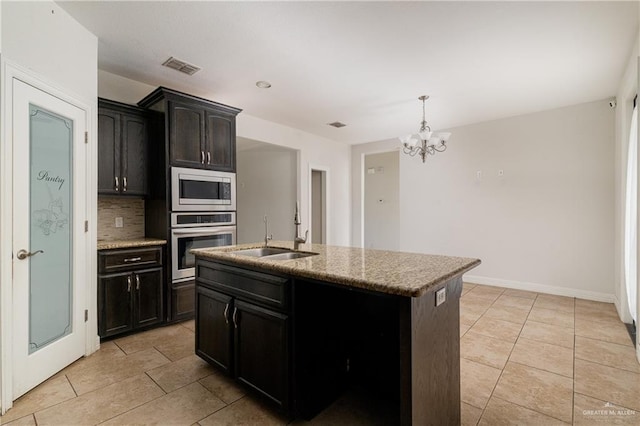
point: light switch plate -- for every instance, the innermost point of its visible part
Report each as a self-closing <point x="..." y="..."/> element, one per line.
<point x="119" y="222"/>
<point x="441" y="296"/>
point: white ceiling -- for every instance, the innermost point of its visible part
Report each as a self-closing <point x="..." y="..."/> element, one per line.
<point x="366" y="63"/>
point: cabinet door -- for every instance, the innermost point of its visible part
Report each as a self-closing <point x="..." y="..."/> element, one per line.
<point x="261" y="350"/>
<point x="182" y="301"/>
<point x="220" y="142"/>
<point x="108" y="151"/>
<point x="186" y="135"/>
<point x="213" y="322"/>
<point x="114" y="294"/>
<point x="148" y="297"/>
<point x="134" y="155"/>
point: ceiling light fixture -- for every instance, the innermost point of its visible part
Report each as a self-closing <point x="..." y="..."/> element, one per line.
<point x="429" y="144"/>
<point x="263" y="84"/>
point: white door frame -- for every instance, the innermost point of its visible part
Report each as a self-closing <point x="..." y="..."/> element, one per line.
<point x="9" y="71"/>
<point x="327" y="199"/>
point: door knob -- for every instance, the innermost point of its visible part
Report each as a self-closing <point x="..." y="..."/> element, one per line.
<point x="23" y="254"/>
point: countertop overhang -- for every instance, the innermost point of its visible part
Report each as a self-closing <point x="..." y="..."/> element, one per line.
<point x="130" y="243"/>
<point x="390" y="272"/>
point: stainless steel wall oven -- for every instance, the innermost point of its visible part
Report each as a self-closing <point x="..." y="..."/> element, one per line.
<point x="197" y="230"/>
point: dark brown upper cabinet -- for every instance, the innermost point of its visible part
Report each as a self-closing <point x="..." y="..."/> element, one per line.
<point x="122" y="149"/>
<point x="200" y="133"/>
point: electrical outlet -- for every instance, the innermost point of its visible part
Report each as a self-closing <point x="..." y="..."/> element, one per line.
<point x="441" y="296"/>
<point x="119" y="222"/>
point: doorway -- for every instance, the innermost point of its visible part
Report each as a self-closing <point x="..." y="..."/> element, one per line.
<point x="318" y="206"/>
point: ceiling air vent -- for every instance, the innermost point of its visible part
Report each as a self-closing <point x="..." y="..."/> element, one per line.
<point x="337" y="124"/>
<point x="181" y="66"/>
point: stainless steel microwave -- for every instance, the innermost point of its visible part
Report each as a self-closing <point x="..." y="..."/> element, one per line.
<point x="202" y="190"/>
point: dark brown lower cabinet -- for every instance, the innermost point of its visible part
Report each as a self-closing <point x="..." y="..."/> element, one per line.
<point x="130" y="286"/>
<point x="213" y="333"/>
<point x="147" y="298"/>
<point x="128" y="301"/>
<point x="116" y="315"/>
<point x="235" y="333"/>
<point x="261" y="350"/>
<point x="182" y="301"/>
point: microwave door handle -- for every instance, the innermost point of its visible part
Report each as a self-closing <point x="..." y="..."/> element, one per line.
<point x="198" y="178"/>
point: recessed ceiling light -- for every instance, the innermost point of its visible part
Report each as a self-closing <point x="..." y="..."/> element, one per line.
<point x="337" y="124"/>
<point x="263" y="84"/>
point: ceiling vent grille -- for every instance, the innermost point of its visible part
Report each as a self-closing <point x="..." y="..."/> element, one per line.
<point x="337" y="124"/>
<point x="181" y="66"/>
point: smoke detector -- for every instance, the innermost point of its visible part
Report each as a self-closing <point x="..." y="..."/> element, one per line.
<point x="181" y="66"/>
<point x="337" y="124"/>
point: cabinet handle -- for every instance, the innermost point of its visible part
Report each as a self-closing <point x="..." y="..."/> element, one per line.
<point x="202" y="157"/>
<point x="129" y="284"/>
<point x="133" y="259"/>
<point x="208" y="157"/>
<point x="124" y="184"/>
<point x="235" y="317"/>
<point x="226" y="311"/>
<point x="138" y="282"/>
<point x="117" y="184"/>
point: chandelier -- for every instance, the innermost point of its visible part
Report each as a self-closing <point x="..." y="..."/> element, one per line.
<point x="429" y="144"/>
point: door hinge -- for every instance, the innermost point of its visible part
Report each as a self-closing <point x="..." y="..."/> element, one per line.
<point x="86" y="137"/>
<point x="86" y="315"/>
<point x="86" y="226"/>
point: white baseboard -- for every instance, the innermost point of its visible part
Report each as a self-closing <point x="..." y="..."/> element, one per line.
<point x="542" y="288"/>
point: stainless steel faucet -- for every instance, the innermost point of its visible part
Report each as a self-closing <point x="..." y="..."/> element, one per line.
<point x="298" y="239"/>
<point x="267" y="237"/>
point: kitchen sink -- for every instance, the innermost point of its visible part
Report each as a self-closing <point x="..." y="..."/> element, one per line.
<point x="262" y="251"/>
<point x="273" y="253"/>
<point x="289" y="255"/>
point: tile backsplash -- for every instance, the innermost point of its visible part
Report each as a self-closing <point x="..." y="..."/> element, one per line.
<point x="131" y="210"/>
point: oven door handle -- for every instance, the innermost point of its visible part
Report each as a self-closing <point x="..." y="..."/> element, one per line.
<point x="201" y="233"/>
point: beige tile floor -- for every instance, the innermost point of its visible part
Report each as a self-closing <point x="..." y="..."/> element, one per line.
<point x="526" y="359"/>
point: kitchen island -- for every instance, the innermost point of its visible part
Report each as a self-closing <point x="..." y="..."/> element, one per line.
<point x="301" y="331"/>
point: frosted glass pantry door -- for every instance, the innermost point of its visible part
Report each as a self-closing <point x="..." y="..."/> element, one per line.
<point x="50" y="241"/>
<point x="48" y="308"/>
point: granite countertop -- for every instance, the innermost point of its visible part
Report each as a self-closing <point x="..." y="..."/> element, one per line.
<point x="134" y="242"/>
<point x="391" y="272"/>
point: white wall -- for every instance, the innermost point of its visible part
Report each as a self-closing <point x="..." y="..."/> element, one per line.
<point x="382" y="201"/>
<point x="313" y="150"/>
<point x="267" y="184"/>
<point x="546" y="225"/>
<point x="43" y="39"/>
<point x="626" y="92"/>
<point x="316" y="152"/>
<point x="122" y="89"/>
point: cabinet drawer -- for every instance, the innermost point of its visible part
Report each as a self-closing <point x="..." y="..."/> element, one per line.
<point x="264" y="289"/>
<point x="128" y="259"/>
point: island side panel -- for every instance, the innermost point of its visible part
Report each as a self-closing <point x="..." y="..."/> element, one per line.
<point x="430" y="357"/>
